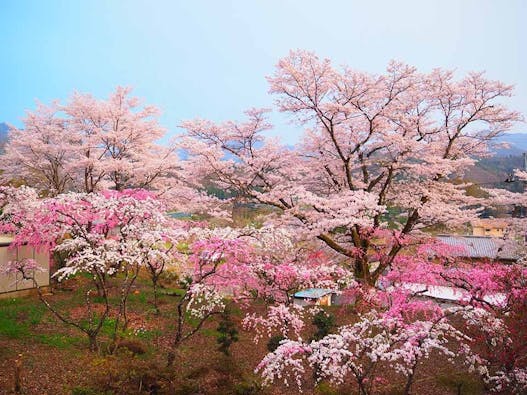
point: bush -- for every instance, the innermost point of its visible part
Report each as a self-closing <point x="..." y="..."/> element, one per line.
<point x="247" y="388"/>
<point x="274" y="342"/>
<point x="324" y="388"/>
<point x="461" y="384"/>
<point x="324" y="322"/>
<point x="227" y="333"/>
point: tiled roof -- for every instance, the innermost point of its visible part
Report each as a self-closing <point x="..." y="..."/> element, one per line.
<point x="447" y="293"/>
<point x="313" y="293"/>
<point x="481" y="247"/>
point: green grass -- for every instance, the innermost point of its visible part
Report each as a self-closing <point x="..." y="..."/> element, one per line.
<point x="88" y="391"/>
<point x="140" y="299"/>
<point x="108" y="326"/>
<point x="59" y="341"/>
<point x="17" y="316"/>
<point x="210" y="332"/>
<point x="11" y="328"/>
<point x="172" y="292"/>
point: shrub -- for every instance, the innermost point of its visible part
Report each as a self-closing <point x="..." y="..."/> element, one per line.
<point x="324" y="322"/>
<point x="227" y="333"/>
<point x="274" y="342"/>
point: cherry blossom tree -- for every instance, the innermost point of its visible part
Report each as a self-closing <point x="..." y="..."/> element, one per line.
<point x="374" y="142"/>
<point x="117" y="142"/>
<point x="274" y="265"/>
<point x="107" y="234"/>
<point x="359" y="350"/>
<point x="90" y="145"/>
<point x="202" y="297"/>
<point x="38" y="154"/>
<point x="227" y="265"/>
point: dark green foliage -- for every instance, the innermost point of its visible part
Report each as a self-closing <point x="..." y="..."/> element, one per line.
<point x="324" y="322"/>
<point x="274" y="342"/>
<point x="324" y="388"/>
<point x="247" y="387"/>
<point x="227" y="333"/>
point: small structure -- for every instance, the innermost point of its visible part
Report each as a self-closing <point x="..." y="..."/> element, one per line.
<point x="12" y="285"/>
<point x="489" y="227"/>
<point x="314" y="296"/>
<point x="180" y="215"/>
<point x="477" y="248"/>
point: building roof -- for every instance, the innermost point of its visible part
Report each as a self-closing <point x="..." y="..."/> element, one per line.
<point x="481" y="247"/>
<point x="451" y="294"/>
<point x="313" y="293"/>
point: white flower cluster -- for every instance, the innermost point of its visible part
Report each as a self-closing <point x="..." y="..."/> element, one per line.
<point x="354" y="349"/>
<point x="204" y="300"/>
<point x="279" y="318"/>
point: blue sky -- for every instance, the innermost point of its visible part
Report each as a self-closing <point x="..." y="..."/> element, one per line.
<point x="209" y="58"/>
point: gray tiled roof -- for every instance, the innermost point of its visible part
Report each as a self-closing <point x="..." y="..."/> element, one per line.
<point x="481" y="247"/>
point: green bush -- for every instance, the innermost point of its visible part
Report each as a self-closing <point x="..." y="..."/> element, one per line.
<point x="274" y="342"/>
<point x="324" y="322"/>
<point x="227" y="333"/>
<point x="247" y="387"/>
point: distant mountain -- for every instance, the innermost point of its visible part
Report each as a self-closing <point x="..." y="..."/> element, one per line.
<point x="517" y="143"/>
<point x="4" y="129"/>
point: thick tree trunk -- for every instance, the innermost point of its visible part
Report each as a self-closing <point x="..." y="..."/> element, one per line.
<point x="361" y="271"/>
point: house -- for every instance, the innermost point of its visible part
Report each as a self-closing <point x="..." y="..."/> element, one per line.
<point x="314" y="296"/>
<point x="482" y="248"/>
<point x="489" y="227"/>
<point x="12" y="285"/>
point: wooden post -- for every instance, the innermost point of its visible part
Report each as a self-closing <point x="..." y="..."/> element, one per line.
<point x="18" y="375"/>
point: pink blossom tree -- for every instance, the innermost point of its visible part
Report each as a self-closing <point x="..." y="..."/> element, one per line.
<point x="373" y="142"/>
<point x="357" y="351"/>
<point x="117" y="142"/>
<point x="226" y="265"/>
<point x="90" y="145"/>
<point x="38" y="154"/>
<point x="203" y="296"/>
<point x="103" y="234"/>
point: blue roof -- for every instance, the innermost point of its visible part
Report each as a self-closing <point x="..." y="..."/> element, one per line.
<point x="179" y="215"/>
<point x="313" y="293"/>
